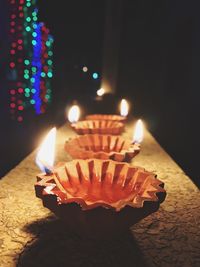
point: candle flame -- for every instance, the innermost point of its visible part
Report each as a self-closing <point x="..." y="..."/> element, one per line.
<point x="124" y="108"/>
<point x="46" y="153"/>
<point x="101" y="92"/>
<point x="139" y="132"/>
<point x="74" y="113"/>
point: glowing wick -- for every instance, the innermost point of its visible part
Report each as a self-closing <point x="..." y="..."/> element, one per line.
<point x="124" y="108"/>
<point x="101" y="92"/>
<point x="74" y="114"/>
<point x="46" y="153"/>
<point x="138" y="132"/>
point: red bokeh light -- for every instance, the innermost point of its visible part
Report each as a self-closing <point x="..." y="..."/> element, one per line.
<point x="46" y="68"/>
<point x="20" y="90"/>
<point x="12" y="105"/>
<point x="12" y="92"/>
<point x="20" y="107"/>
<point x="12" y="64"/>
<point x="19" y="41"/>
<point x="20" y="119"/>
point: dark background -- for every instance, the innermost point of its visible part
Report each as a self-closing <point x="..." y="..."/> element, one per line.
<point x="158" y="72"/>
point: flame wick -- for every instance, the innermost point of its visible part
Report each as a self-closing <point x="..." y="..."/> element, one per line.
<point x="138" y="133"/>
<point x="101" y="92"/>
<point x="45" y="155"/>
<point x="46" y="168"/>
<point x="124" y="108"/>
<point x="48" y="171"/>
<point x="74" y="114"/>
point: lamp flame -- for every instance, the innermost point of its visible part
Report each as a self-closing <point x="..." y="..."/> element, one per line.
<point x="124" y="108"/>
<point x="100" y="92"/>
<point x="139" y="132"/>
<point x="46" y="153"/>
<point x="74" y="113"/>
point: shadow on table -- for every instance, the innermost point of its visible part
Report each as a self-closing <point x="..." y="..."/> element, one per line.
<point x="54" y="246"/>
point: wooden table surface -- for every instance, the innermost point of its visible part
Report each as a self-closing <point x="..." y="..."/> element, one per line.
<point x="30" y="235"/>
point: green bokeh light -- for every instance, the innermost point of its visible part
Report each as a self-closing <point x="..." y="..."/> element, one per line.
<point x="34" y="69"/>
<point x="49" y="62"/>
<point x="28" y="29"/>
<point x="26" y="76"/>
<point x="48" y="43"/>
<point x="49" y="74"/>
<point x="50" y="53"/>
<point x="26" y="62"/>
<point x="34" y="42"/>
<point x="43" y="74"/>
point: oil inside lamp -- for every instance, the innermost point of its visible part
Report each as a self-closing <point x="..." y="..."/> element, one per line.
<point x="101" y="92"/>
<point x="138" y="132"/>
<point x="124" y="108"/>
<point x="74" y="113"/>
<point x="46" y="153"/>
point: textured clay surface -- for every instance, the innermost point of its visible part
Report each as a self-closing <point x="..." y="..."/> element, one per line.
<point x="102" y="146"/>
<point x="30" y="235"/>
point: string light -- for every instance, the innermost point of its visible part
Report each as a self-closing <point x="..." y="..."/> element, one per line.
<point x="16" y="58"/>
<point x="30" y="59"/>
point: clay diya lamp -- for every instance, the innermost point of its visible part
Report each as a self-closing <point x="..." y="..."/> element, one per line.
<point x="124" y="108"/>
<point x="107" y="117"/>
<point x="98" y="127"/>
<point x="100" y="198"/>
<point x="102" y="147"/>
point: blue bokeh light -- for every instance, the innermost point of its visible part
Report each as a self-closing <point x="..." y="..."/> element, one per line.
<point x="95" y="75"/>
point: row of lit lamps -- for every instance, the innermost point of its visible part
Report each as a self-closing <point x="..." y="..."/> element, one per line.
<point x="74" y="111"/>
<point x="46" y="153"/>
